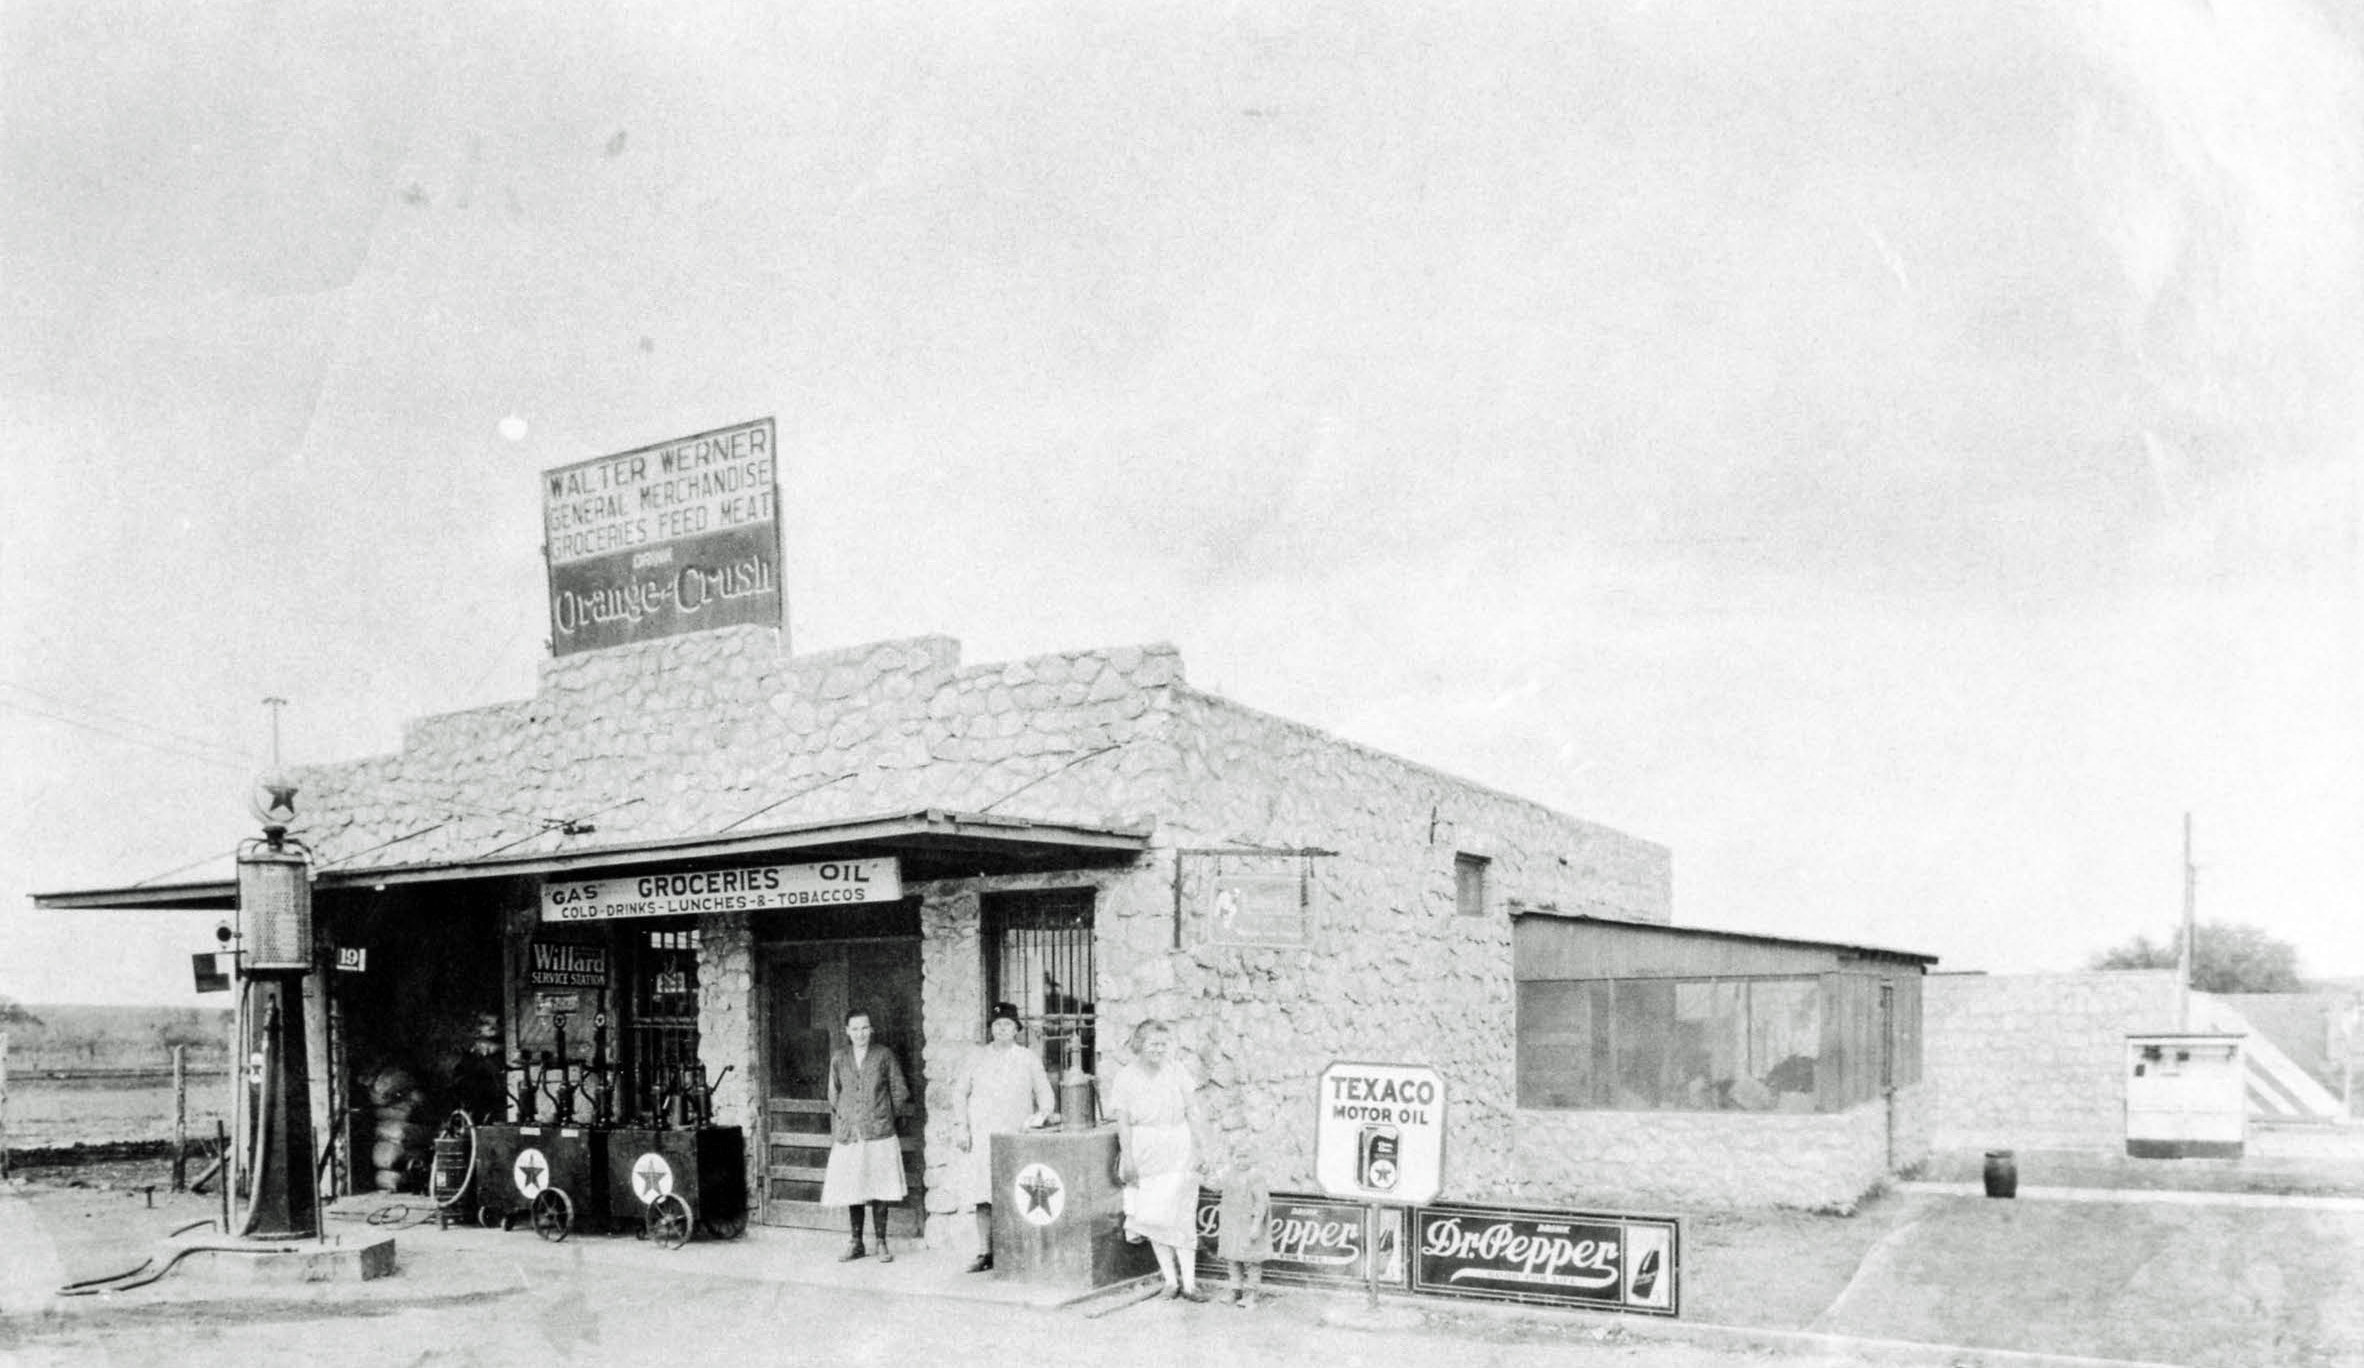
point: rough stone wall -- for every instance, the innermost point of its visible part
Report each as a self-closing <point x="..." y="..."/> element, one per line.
<point x="952" y="1002"/>
<point x="727" y="1030"/>
<point x="2034" y="1060"/>
<point x="726" y="1025"/>
<point x="1394" y="973"/>
<point x="717" y="731"/>
<point x="1132" y="929"/>
<point x="1635" y="1161"/>
<point x="1916" y="1115"/>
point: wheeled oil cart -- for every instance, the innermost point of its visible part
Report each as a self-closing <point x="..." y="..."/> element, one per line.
<point x="554" y="1177"/>
<point x="682" y="1181"/>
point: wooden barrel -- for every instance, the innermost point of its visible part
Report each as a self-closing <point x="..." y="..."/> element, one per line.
<point x="2002" y="1174"/>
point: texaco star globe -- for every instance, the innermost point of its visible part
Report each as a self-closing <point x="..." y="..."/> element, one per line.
<point x="273" y="800"/>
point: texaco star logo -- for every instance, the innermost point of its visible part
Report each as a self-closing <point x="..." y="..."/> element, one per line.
<point x="1040" y="1193"/>
<point x="273" y="800"/>
<point x="652" y="1178"/>
<point x="531" y="1172"/>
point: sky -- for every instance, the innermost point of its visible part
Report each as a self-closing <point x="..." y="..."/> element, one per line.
<point x="1901" y="456"/>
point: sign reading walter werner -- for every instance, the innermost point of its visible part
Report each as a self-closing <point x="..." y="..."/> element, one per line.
<point x="673" y="538"/>
<point x="1610" y="1263"/>
<point x="830" y="883"/>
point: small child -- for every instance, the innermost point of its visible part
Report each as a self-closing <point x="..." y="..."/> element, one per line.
<point x="1243" y="1232"/>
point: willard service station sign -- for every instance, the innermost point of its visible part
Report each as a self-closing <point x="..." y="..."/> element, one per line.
<point x="677" y="537"/>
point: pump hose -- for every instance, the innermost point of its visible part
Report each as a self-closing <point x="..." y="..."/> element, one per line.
<point x="459" y="1122"/>
<point x="129" y="1278"/>
<point x="262" y="1125"/>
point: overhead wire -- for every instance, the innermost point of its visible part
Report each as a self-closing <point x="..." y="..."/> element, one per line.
<point x="408" y="835"/>
<point x="567" y="825"/>
<point x="221" y="760"/>
<point x="1046" y="774"/>
<point x="123" y="718"/>
<point x="816" y="788"/>
<point x="450" y="805"/>
<point x="178" y="869"/>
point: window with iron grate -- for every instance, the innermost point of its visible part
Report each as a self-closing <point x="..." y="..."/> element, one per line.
<point x="663" y="1024"/>
<point x="1038" y="958"/>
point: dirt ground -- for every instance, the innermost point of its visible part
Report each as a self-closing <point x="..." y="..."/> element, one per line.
<point x="2278" y="1284"/>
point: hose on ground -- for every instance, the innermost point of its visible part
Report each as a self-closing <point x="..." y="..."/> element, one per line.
<point x="130" y="1278"/>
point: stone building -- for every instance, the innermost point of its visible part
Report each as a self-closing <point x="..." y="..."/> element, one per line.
<point x="1089" y="836"/>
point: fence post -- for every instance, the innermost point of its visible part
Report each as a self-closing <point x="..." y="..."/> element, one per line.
<point x="3" y="1106"/>
<point x="180" y="1118"/>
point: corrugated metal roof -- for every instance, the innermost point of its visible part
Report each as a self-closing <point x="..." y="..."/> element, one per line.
<point x="1708" y="933"/>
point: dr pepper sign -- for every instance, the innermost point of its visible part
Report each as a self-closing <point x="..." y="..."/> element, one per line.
<point x="1379" y="1135"/>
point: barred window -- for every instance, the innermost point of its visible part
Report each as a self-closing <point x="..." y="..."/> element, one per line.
<point x="663" y="1021"/>
<point x="1038" y="957"/>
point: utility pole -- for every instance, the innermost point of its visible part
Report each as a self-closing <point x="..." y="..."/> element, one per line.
<point x="275" y="704"/>
<point x="2183" y="982"/>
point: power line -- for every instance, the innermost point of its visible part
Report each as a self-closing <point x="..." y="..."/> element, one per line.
<point x="221" y="760"/>
<point x="1055" y="770"/>
<point x="178" y="869"/>
<point x="408" y="835"/>
<point x="454" y="805"/>
<point x="121" y="718"/>
<point x="571" y="826"/>
<point x="789" y="799"/>
<point x="499" y="658"/>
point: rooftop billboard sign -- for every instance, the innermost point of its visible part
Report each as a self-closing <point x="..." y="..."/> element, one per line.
<point x="679" y="537"/>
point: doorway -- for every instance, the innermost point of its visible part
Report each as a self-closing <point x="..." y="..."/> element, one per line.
<point x="807" y="989"/>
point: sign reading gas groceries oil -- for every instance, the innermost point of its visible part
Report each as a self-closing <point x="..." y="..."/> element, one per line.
<point x="1379" y="1133"/>
<point x="672" y="538"/>
<point x="764" y="888"/>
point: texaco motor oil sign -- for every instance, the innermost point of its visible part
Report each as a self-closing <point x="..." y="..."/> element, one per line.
<point x="1379" y="1133"/>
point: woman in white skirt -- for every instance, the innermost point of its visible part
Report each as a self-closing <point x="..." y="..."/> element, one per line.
<point x="867" y="1101"/>
<point x="1005" y="1090"/>
<point x="1159" y="1141"/>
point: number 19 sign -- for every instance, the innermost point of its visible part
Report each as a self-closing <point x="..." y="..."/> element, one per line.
<point x="1379" y="1135"/>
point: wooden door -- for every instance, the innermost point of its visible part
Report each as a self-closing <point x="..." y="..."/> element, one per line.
<point x="808" y="988"/>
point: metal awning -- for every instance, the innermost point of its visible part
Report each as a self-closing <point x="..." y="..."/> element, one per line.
<point x="932" y="844"/>
<point x="1671" y="931"/>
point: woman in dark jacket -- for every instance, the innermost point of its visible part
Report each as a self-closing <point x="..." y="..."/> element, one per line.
<point x="867" y="1100"/>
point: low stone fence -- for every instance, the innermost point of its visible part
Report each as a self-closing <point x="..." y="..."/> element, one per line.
<point x="2034" y="1060"/>
<point x="1817" y="1161"/>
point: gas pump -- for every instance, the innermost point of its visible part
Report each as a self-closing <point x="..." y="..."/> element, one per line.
<point x="275" y="913"/>
<point x="562" y="1093"/>
<point x="525" y="1088"/>
<point x="604" y="1069"/>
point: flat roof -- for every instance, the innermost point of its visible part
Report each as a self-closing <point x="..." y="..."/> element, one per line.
<point x="1708" y="933"/>
<point x="933" y="843"/>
